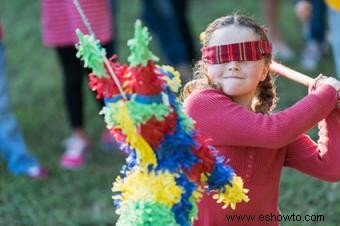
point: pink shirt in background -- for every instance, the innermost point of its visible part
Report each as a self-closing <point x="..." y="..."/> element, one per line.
<point x="60" y="19"/>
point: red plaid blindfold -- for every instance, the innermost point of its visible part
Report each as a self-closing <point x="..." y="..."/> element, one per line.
<point x="243" y="51"/>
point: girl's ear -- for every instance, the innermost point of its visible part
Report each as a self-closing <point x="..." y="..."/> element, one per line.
<point x="265" y="72"/>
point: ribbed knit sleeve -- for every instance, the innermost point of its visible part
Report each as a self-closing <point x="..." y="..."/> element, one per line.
<point x="228" y="123"/>
<point x="321" y="160"/>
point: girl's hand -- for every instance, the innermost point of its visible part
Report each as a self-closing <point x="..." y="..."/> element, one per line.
<point x="324" y="80"/>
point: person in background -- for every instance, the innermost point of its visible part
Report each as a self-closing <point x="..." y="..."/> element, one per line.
<point x="167" y="19"/>
<point x="333" y="7"/>
<point x="271" y="13"/>
<point x="313" y="16"/>
<point x="20" y="161"/>
<point x="60" y="19"/>
<point x="333" y="21"/>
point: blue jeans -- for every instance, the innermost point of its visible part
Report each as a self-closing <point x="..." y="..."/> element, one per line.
<point x="333" y="20"/>
<point x="167" y="20"/>
<point x="317" y="26"/>
<point x="12" y="145"/>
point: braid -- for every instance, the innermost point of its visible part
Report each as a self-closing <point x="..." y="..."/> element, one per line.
<point x="266" y="99"/>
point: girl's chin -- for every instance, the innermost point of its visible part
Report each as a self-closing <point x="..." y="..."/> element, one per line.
<point x="229" y="90"/>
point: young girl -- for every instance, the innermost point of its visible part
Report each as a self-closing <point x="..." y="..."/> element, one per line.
<point x="59" y="22"/>
<point x="231" y="100"/>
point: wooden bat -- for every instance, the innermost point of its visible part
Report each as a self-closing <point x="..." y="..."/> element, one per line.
<point x="291" y="74"/>
<point x="296" y="76"/>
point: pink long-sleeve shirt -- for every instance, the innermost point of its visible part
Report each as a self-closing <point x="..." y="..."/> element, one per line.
<point x="260" y="145"/>
<point x="60" y="19"/>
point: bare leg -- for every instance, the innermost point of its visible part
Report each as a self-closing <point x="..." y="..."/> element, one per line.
<point x="271" y="13"/>
<point x="271" y="10"/>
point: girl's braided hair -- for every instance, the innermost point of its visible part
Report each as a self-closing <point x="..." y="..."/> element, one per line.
<point x="265" y="98"/>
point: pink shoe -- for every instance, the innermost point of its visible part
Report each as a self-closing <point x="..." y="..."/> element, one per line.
<point x="37" y="172"/>
<point x="74" y="155"/>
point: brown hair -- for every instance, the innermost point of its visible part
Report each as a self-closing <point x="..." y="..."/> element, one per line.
<point x="265" y="97"/>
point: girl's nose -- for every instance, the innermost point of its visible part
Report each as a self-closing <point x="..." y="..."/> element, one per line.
<point x="233" y="66"/>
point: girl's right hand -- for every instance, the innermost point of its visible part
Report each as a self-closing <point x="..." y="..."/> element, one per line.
<point x="324" y="80"/>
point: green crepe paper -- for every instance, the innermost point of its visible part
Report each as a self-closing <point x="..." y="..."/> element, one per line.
<point x="143" y="212"/>
<point x="185" y="119"/>
<point x="91" y="53"/>
<point x="140" y="54"/>
<point x="194" y="211"/>
<point x="139" y="113"/>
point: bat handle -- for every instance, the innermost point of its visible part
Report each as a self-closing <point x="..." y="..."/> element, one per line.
<point x="295" y="76"/>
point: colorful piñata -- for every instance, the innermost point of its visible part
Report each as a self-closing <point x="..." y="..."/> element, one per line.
<point x="169" y="164"/>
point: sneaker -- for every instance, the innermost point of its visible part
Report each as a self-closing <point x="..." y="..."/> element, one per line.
<point x="282" y="51"/>
<point x="37" y="172"/>
<point x="74" y="155"/>
<point x="311" y="55"/>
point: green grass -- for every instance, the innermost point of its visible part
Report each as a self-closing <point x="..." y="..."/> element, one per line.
<point x="84" y="197"/>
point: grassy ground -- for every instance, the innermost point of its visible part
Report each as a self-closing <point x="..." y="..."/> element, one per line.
<point x="84" y="197"/>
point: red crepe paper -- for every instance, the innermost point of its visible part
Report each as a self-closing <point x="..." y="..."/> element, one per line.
<point x="145" y="80"/>
<point x="153" y="131"/>
<point x="206" y="157"/>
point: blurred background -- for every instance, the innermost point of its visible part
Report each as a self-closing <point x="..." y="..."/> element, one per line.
<point x="83" y="197"/>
